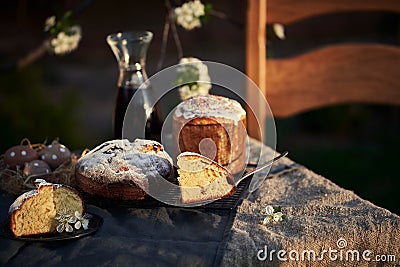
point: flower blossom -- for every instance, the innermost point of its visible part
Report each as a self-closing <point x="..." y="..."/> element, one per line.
<point x="81" y="220"/>
<point x="67" y="41"/>
<point x="273" y="215"/>
<point x="188" y="15"/>
<point x="50" y="22"/>
<point x="64" y="34"/>
<point x="65" y="221"/>
<point x="193" y="78"/>
<point x="279" y="30"/>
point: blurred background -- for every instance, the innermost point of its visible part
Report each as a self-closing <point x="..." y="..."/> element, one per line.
<point x="71" y="97"/>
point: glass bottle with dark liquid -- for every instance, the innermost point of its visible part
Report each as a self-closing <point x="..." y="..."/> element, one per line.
<point x="134" y="96"/>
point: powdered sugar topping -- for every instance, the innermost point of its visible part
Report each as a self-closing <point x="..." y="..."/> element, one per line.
<point x="19" y="200"/>
<point x="121" y="160"/>
<point x="210" y="106"/>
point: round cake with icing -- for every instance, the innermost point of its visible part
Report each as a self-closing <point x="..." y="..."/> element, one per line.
<point x="213" y="126"/>
<point x="120" y="169"/>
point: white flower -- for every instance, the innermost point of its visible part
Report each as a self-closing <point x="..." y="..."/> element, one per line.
<point x="273" y="215"/>
<point x="277" y="217"/>
<point x="81" y="221"/>
<point x="67" y="41"/>
<point x="49" y="23"/>
<point x="269" y="210"/>
<point x="62" y="215"/>
<point x="279" y="30"/>
<point x="188" y="15"/>
<point x="64" y="226"/>
<point x="184" y="92"/>
<point x="65" y="220"/>
<point x="193" y="78"/>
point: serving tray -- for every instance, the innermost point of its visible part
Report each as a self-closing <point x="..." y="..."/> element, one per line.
<point x="227" y="203"/>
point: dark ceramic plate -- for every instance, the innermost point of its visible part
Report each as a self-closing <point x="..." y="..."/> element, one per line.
<point x="94" y="224"/>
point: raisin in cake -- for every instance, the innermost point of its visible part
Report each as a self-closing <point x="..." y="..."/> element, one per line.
<point x="201" y="179"/>
<point x="120" y="169"/>
<point x="34" y="212"/>
<point x="217" y="119"/>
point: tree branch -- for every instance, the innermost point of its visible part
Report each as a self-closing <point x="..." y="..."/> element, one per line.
<point x="33" y="56"/>
<point x="173" y="28"/>
<point x="164" y="43"/>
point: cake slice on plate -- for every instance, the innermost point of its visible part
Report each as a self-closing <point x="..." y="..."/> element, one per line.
<point x="34" y="212"/>
<point x="201" y="179"/>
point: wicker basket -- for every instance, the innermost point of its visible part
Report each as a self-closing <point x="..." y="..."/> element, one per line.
<point x="15" y="182"/>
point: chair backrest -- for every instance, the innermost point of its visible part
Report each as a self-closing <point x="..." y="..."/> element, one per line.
<point x="332" y="74"/>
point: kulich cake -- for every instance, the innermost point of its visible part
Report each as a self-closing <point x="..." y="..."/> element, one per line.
<point x="202" y="179"/>
<point x="34" y="212"/>
<point x="212" y="119"/>
<point x="120" y="169"/>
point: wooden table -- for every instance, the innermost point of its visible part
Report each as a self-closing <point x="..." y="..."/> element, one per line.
<point x="320" y="216"/>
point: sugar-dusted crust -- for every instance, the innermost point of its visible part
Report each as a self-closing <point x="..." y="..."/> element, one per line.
<point x="120" y="169"/>
<point x="222" y="120"/>
<point x="210" y="106"/>
<point x="40" y="183"/>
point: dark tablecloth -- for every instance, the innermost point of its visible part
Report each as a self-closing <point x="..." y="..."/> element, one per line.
<point x="152" y="236"/>
<point x="159" y="236"/>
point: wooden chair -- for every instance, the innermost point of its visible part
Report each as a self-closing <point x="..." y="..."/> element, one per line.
<point x="334" y="74"/>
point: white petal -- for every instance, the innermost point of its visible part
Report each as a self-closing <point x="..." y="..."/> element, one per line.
<point x="68" y="228"/>
<point x="198" y="8"/>
<point x="188" y="18"/>
<point x="183" y="60"/>
<point x="78" y="225"/>
<point x="61" y="35"/>
<point x="78" y="215"/>
<point x="178" y="11"/>
<point x="196" y="23"/>
<point x="54" y="42"/>
<point x="269" y="210"/>
<point x="279" y="30"/>
<point x="278" y="217"/>
<point x="72" y="219"/>
<point x="85" y="224"/>
<point x="50" y="21"/>
<point x="60" y="228"/>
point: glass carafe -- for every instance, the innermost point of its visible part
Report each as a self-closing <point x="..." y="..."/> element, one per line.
<point x="130" y="49"/>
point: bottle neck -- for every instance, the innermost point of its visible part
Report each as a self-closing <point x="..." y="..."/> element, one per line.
<point x="132" y="76"/>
